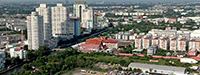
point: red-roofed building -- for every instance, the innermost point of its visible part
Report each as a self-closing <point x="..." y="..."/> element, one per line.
<point x="111" y="43"/>
<point x="57" y="62"/>
<point x="182" y="44"/>
<point x="90" y="48"/>
<point x="92" y="45"/>
<point x="172" y="20"/>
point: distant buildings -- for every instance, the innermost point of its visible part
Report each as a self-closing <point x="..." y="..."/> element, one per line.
<point x="59" y="21"/>
<point x="35" y="31"/>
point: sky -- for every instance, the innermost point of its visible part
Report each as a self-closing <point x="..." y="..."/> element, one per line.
<point x="97" y="0"/>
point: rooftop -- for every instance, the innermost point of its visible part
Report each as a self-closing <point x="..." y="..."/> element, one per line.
<point x="138" y="50"/>
<point x="89" y="45"/>
<point x="183" y="39"/>
<point x="110" y="41"/>
<point x="80" y="3"/>
<point x="160" y="67"/>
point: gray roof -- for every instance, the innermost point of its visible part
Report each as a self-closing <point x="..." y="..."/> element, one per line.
<point x="160" y="67"/>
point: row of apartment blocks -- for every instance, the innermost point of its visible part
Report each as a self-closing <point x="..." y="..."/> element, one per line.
<point x="167" y="43"/>
<point x="168" y="39"/>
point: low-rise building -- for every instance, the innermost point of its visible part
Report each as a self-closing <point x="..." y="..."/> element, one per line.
<point x="111" y="43"/>
<point x="152" y="50"/>
<point x="159" y="68"/>
<point x="18" y="52"/>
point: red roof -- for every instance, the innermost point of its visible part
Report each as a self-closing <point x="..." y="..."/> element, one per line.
<point x="110" y="41"/>
<point x="57" y="62"/>
<point x="124" y="54"/>
<point x="105" y="47"/>
<point x="94" y="41"/>
<point x="166" y="38"/>
<point x="173" y="18"/>
<point x="193" y="40"/>
<point x="148" y="37"/>
<point x="18" y="49"/>
<point x="183" y="39"/>
<point x="89" y="45"/>
<point x="156" y="38"/>
<point x="173" y="38"/>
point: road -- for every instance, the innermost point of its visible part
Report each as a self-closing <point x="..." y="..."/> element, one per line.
<point x="64" y="45"/>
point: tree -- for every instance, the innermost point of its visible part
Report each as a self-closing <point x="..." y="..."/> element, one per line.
<point x="7" y="54"/>
<point x="26" y="47"/>
<point x="26" y="66"/>
<point x="29" y="54"/>
<point x="41" y="51"/>
<point x="120" y="68"/>
<point x="122" y="62"/>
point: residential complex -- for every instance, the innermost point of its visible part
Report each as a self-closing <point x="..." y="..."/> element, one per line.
<point x="35" y="31"/>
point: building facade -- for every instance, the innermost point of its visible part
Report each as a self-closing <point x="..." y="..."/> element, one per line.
<point x="45" y="11"/>
<point x="138" y="42"/>
<point x="111" y="44"/>
<point x="87" y="19"/>
<point x="74" y="26"/>
<point x="59" y="21"/>
<point x="182" y="44"/>
<point x="35" y="31"/>
<point x="164" y="43"/>
<point x="17" y="52"/>
<point x="155" y="41"/>
<point x="78" y="9"/>
<point x="146" y="42"/>
<point x="2" y="59"/>
<point x="173" y="43"/>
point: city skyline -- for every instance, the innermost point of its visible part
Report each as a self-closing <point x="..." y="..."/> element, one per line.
<point x="100" y="0"/>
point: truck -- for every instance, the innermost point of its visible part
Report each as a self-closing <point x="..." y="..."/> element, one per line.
<point x="188" y="60"/>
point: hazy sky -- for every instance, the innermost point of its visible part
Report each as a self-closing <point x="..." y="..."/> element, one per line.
<point x="95" y="0"/>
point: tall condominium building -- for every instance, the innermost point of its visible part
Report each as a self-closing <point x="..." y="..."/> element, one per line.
<point x="87" y="19"/>
<point x="35" y="31"/>
<point x="74" y="24"/>
<point x="44" y="11"/>
<point x="78" y="9"/>
<point x="59" y="21"/>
